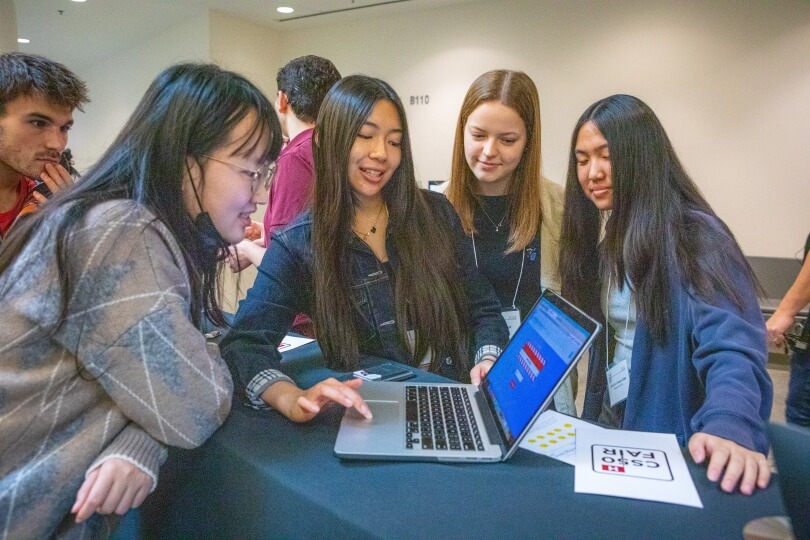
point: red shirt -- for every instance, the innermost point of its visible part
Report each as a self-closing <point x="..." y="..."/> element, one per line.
<point x="289" y="196"/>
<point x="7" y="218"/>
<point x="290" y="192"/>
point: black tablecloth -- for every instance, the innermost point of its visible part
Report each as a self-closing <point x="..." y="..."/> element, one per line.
<point x="263" y="476"/>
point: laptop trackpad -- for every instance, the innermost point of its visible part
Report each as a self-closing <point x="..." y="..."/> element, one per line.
<point x="383" y="432"/>
<point x="383" y="412"/>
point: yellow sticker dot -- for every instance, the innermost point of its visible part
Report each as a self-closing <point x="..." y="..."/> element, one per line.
<point x="568" y="425"/>
<point x="557" y="429"/>
<point x="571" y="434"/>
<point x="553" y="442"/>
<point x="544" y="445"/>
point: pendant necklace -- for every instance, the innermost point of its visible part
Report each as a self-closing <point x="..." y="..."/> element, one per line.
<point x="373" y="228"/>
<point x="500" y="223"/>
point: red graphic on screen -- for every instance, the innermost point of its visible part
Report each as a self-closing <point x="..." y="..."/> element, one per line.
<point x="531" y="361"/>
<point x="612" y="468"/>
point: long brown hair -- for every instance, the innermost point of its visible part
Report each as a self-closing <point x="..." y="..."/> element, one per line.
<point x="515" y="90"/>
<point x="429" y="296"/>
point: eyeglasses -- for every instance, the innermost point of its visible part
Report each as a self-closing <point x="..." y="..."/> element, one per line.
<point x="263" y="176"/>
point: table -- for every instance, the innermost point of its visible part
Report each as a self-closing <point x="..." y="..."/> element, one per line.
<point x="261" y="475"/>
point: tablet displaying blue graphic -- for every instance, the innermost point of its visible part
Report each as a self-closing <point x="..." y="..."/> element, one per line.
<point x="535" y="361"/>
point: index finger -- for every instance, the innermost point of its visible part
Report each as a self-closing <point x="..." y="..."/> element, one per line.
<point x="96" y="496"/>
<point x="81" y="496"/>
<point x="718" y="460"/>
<point x="346" y="394"/>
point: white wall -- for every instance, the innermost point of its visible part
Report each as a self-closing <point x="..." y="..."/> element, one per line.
<point x="730" y="80"/>
<point x="247" y="48"/>
<point x="8" y="26"/>
<point x="255" y="52"/>
<point x="117" y="85"/>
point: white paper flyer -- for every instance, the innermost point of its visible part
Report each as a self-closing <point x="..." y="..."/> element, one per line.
<point x="632" y="464"/>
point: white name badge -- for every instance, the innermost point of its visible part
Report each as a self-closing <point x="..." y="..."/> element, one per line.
<point x="618" y="379"/>
<point x="512" y="318"/>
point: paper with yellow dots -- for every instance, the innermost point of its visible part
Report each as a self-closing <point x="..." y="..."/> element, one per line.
<point x="555" y="435"/>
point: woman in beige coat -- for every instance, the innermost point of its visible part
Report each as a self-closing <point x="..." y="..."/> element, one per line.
<point x="511" y="213"/>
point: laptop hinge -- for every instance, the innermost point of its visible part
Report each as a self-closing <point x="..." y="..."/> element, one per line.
<point x="489" y="422"/>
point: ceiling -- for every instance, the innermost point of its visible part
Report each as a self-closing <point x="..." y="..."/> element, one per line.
<point x="81" y="34"/>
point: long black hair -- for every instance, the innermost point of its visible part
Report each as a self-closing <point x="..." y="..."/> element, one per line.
<point x="188" y="111"/>
<point x="660" y="223"/>
<point x="428" y="292"/>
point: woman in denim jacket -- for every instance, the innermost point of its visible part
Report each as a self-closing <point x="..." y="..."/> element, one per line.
<point x="383" y="267"/>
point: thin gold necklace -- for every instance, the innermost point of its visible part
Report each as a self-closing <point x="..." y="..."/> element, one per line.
<point x="373" y="228"/>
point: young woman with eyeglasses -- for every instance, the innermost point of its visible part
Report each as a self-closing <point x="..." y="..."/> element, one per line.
<point x="103" y="291"/>
<point x="383" y="267"/>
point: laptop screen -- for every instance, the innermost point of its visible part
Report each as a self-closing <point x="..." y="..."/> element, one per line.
<point x="535" y="361"/>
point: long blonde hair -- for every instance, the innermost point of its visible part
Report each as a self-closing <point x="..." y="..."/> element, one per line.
<point x="515" y="90"/>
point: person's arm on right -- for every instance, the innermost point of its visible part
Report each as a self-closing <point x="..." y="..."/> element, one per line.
<point x="794" y="300"/>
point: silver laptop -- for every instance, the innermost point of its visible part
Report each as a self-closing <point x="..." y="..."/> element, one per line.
<point x="463" y="422"/>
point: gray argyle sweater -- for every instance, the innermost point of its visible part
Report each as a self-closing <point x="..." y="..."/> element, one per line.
<point x="125" y="374"/>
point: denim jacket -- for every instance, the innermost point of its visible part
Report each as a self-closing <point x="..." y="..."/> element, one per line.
<point x="284" y="287"/>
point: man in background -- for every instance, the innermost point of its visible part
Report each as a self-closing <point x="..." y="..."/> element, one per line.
<point x="302" y="85"/>
<point x="37" y="99"/>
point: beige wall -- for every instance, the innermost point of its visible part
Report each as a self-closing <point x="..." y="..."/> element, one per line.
<point x="730" y="80"/>
<point x="253" y="51"/>
<point x="8" y="26"/>
<point x="117" y="85"/>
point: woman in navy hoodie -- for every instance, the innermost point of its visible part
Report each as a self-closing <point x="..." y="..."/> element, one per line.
<point x="685" y="349"/>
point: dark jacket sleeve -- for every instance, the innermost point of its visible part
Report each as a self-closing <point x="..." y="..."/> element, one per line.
<point x="731" y="356"/>
<point x="267" y="313"/>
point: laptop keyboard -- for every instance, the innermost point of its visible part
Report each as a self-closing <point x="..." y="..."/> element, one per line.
<point x="440" y="418"/>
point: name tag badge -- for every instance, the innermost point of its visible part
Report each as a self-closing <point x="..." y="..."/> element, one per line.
<point x="512" y="318"/>
<point x="618" y="379"/>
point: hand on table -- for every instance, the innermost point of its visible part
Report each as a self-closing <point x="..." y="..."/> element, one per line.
<point x="303" y="405"/>
<point x="114" y="486"/>
<point x="56" y="178"/>
<point x="777" y="325"/>
<point x="479" y="370"/>
<point x="742" y="466"/>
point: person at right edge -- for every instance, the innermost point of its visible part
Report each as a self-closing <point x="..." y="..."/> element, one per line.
<point x="797" y="410"/>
